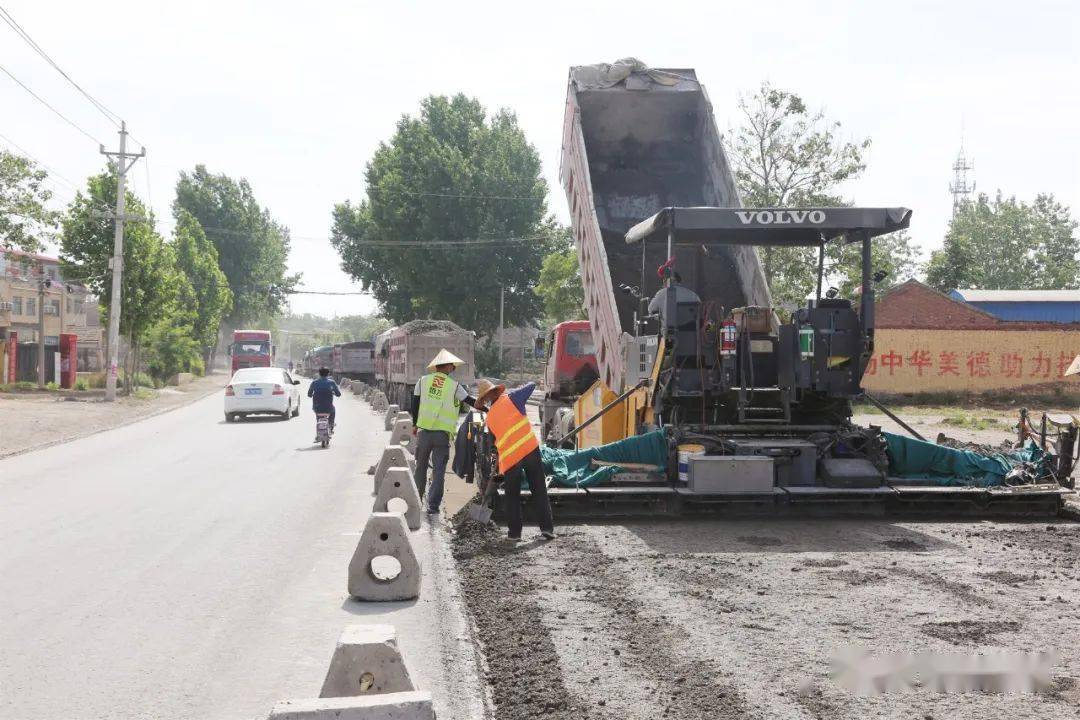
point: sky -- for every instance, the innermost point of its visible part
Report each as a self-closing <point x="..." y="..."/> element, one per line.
<point x="296" y="97"/>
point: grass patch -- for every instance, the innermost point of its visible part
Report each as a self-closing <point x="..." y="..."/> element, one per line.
<point x="142" y="393"/>
<point x="82" y="384"/>
<point x="21" y="386"/>
<point x="971" y="422"/>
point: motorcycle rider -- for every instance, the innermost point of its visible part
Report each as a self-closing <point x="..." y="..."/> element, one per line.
<point x="322" y="391"/>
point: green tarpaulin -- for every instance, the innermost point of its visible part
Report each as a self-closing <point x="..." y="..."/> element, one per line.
<point x="938" y="465"/>
<point x="570" y="468"/>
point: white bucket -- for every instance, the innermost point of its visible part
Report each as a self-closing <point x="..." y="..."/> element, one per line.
<point x="685" y="453"/>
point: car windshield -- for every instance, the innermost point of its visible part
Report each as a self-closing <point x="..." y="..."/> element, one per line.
<point x="579" y="343"/>
<point x="257" y="375"/>
<point x="251" y="347"/>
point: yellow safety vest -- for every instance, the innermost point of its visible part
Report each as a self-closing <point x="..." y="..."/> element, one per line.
<point x="438" y="406"/>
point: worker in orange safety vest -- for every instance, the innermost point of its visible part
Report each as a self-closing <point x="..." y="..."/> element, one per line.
<point x="519" y="451"/>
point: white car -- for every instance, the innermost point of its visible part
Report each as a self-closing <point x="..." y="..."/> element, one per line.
<point x="261" y="391"/>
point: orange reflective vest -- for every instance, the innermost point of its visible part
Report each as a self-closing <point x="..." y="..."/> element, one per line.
<point x="514" y="438"/>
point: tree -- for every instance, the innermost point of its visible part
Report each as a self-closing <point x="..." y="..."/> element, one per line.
<point x="560" y="287"/>
<point x="211" y="298"/>
<point x="455" y="209"/>
<point x="151" y="282"/>
<point x="784" y="155"/>
<point x="1005" y="244"/>
<point x="24" y="218"/>
<point x="892" y="253"/>
<point x="252" y="248"/>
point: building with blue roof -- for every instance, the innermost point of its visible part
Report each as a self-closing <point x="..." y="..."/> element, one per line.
<point x="1055" y="306"/>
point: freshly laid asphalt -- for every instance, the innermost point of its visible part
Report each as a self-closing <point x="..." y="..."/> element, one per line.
<point x="184" y="567"/>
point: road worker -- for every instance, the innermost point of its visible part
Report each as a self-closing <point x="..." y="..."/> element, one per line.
<point x="437" y="400"/>
<point x="519" y="452"/>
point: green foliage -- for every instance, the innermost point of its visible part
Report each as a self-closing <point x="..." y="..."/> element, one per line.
<point x="252" y="248"/>
<point x="560" y="287"/>
<point x="784" y="155"/>
<point x="136" y="380"/>
<point x="211" y="299"/>
<point x="315" y="331"/>
<point x="197" y="367"/>
<point x="448" y="177"/>
<point x="82" y="384"/>
<point x="151" y="284"/>
<point x="1005" y="244"/>
<point x="52" y="386"/>
<point x="489" y="363"/>
<point x="892" y="253"/>
<point x="170" y="349"/>
<point x="24" y="218"/>
<point x="20" y="386"/>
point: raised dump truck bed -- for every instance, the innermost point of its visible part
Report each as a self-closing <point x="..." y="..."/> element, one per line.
<point x="632" y="146"/>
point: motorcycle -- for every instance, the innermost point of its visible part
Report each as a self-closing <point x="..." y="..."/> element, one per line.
<point x="322" y="429"/>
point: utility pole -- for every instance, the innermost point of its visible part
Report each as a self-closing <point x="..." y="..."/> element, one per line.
<point x="41" y="327"/>
<point x="122" y="166"/>
<point x="502" y="295"/>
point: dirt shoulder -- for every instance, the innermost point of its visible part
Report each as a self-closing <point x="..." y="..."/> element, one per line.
<point x="32" y="421"/>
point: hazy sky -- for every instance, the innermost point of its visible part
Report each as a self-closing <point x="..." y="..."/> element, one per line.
<point x="296" y="96"/>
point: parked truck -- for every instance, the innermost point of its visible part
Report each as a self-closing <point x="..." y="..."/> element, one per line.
<point x="570" y="369"/>
<point x="355" y="360"/>
<point x="402" y="354"/>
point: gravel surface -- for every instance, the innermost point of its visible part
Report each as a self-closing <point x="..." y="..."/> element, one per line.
<point x="721" y="619"/>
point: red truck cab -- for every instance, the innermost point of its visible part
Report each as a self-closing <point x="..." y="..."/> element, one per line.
<point x="251" y="348"/>
<point x="571" y="367"/>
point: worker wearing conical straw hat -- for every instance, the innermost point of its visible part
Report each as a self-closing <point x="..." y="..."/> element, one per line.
<point x="519" y="452"/>
<point x="437" y="400"/>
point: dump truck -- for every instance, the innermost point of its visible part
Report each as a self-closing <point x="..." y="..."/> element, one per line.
<point x="708" y="397"/>
<point x="355" y="360"/>
<point x="402" y="354"/>
<point x="569" y="370"/>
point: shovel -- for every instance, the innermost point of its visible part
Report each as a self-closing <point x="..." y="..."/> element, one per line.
<point x="481" y="512"/>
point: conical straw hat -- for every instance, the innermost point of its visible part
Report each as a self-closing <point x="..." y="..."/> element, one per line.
<point x="445" y="357"/>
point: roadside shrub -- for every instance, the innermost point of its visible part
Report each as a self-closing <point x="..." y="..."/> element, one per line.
<point x="170" y="350"/>
<point x="82" y="384"/>
<point x="23" y="385"/>
<point x="197" y="366"/>
<point x="52" y="386"/>
<point x="489" y="363"/>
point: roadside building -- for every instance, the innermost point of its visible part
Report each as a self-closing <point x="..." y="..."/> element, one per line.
<point x="33" y="290"/>
<point x="929" y="342"/>
<point x="1054" y="306"/>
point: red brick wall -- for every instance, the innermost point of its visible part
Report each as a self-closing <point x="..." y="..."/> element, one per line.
<point x="914" y="305"/>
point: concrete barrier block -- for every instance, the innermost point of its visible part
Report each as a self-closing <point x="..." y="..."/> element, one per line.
<point x="398" y="483"/>
<point x="378" y="401"/>
<point x="392" y="456"/>
<point x="391" y="414"/>
<point x="385" y="534"/>
<point x="392" y="706"/>
<point x="366" y="661"/>
<point x="401" y="433"/>
<point x="357" y="389"/>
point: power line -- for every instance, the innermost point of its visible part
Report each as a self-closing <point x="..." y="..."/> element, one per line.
<point x="322" y="292"/>
<point x="42" y="101"/>
<point x="109" y="114"/>
<point x="471" y="197"/>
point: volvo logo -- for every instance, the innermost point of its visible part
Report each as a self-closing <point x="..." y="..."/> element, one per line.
<point x="780" y="217"/>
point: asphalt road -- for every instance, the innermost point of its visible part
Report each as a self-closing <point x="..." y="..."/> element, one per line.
<point x="180" y="567"/>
